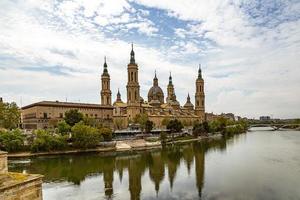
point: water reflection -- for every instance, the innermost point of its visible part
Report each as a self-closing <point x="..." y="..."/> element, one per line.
<point x="158" y="165"/>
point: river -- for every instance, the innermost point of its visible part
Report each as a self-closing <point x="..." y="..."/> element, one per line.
<point x="257" y="165"/>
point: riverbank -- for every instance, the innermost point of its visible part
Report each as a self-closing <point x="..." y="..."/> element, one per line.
<point x="121" y="146"/>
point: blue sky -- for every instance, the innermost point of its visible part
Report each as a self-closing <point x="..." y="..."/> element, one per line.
<point x="249" y="50"/>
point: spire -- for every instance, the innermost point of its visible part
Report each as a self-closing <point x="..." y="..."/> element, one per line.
<point x="170" y="79"/>
<point x="105" y="66"/>
<point x="155" y="80"/>
<point x="119" y="95"/>
<point x="132" y="59"/>
<point x="199" y="72"/>
<point x="188" y="99"/>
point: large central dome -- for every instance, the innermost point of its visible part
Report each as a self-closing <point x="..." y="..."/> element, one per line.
<point x="155" y="94"/>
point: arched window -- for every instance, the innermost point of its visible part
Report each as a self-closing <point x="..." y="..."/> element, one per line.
<point x="135" y="77"/>
<point x="136" y="96"/>
<point x="131" y="76"/>
<point x="198" y="103"/>
<point x="129" y="95"/>
<point x="200" y="88"/>
<point x="202" y="102"/>
<point x="107" y="100"/>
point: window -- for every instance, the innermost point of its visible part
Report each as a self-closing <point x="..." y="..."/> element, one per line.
<point x="198" y="103"/>
<point x="200" y="88"/>
<point x="107" y="100"/>
<point x="135" y="76"/>
<point x="135" y="94"/>
<point x="45" y="116"/>
<point x="107" y="116"/>
<point x="131" y="76"/>
<point x="202" y="102"/>
<point x="96" y="115"/>
<point x="61" y="115"/>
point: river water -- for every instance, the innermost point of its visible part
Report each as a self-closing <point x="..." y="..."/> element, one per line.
<point x="257" y="165"/>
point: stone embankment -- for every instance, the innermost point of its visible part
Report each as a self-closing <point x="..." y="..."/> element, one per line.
<point x="17" y="185"/>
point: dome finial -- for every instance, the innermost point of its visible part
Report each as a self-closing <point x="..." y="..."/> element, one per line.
<point x="170" y="78"/>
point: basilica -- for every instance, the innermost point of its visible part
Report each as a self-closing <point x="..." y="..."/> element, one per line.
<point x="157" y="107"/>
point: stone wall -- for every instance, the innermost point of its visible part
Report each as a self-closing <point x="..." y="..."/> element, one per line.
<point x="3" y="162"/>
<point x="29" y="189"/>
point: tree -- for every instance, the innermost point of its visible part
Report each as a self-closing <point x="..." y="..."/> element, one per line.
<point x="119" y="123"/>
<point x="9" y="115"/>
<point x="63" y="127"/>
<point x="141" y="119"/>
<point x="73" y="116"/>
<point x="11" y="140"/>
<point x="165" y="121"/>
<point x="200" y="129"/>
<point x="148" y="126"/>
<point x="175" y="126"/>
<point x="106" y="133"/>
<point x="84" y="136"/>
<point x="45" y="141"/>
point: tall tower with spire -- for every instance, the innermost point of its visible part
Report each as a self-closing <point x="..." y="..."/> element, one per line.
<point x="170" y="90"/>
<point x="105" y="89"/>
<point x="200" y="96"/>
<point x="133" y="88"/>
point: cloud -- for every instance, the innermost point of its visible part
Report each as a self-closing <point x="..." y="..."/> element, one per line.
<point x="248" y="50"/>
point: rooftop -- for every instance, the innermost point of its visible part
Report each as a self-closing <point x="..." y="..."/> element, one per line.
<point x="66" y="104"/>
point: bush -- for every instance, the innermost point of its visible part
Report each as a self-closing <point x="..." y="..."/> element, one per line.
<point x="106" y="133"/>
<point x="63" y="128"/>
<point x="45" y="141"/>
<point x="84" y="136"/>
<point x="11" y="141"/>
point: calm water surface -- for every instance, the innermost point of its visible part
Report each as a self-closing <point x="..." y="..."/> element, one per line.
<point x="256" y="165"/>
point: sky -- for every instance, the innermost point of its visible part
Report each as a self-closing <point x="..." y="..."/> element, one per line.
<point x="248" y="50"/>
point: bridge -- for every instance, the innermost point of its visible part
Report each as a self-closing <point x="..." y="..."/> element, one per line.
<point x="277" y="126"/>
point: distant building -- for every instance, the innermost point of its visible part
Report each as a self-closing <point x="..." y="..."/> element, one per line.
<point x="46" y="114"/>
<point x="1" y="100"/>
<point x="264" y="118"/>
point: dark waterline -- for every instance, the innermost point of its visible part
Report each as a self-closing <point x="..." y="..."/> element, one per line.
<point x="256" y="165"/>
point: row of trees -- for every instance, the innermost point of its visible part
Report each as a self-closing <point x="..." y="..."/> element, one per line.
<point x="75" y="131"/>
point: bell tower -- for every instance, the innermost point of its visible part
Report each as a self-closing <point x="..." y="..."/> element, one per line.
<point x="105" y="89"/>
<point x="200" y="96"/>
<point x="133" y="88"/>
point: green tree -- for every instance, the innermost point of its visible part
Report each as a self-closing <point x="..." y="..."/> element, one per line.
<point x="165" y="121"/>
<point x="148" y="126"/>
<point x="84" y="136"/>
<point x="45" y="141"/>
<point x="175" y="126"/>
<point x="73" y="116"/>
<point x="141" y="119"/>
<point x="106" y="133"/>
<point x="63" y="127"/>
<point x="11" y="141"/>
<point x="9" y="115"/>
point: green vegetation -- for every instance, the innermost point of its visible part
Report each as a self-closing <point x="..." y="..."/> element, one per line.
<point x="9" y="115"/>
<point x="11" y="141"/>
<point x="141" y="119"/>
<point x="63" y="128"/>
<point x="84" y="136"/>
<point x="73" y="116"/>
<point x="175" y="126"/>
<point x="149" y="126"/>
<point x="45" y="141"/>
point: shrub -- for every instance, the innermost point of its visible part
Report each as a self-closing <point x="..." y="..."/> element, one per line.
<point x="163" y="137"/>
<point x="84" y="136"/>
<point x="11" y="141"/>
<point x="63" y="128"/>
<point x="45" y="141"/>
<point x="106" y="133"/>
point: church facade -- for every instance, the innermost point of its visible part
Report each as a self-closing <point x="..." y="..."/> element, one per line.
<point x="158" y="107"/>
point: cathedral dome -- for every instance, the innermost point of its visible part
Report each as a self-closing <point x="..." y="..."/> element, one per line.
<point x="155" y="94"/>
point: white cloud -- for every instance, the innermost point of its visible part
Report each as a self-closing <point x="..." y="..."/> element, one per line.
<point x="249" y="69"/>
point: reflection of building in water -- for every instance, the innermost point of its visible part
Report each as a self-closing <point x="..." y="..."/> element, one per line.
<point x="173" y="161"/>
<point x="156" y="169"/>
<point x="199" y="166"/>
<point x="188" y="156"/>
<point x="108" y="177"/>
